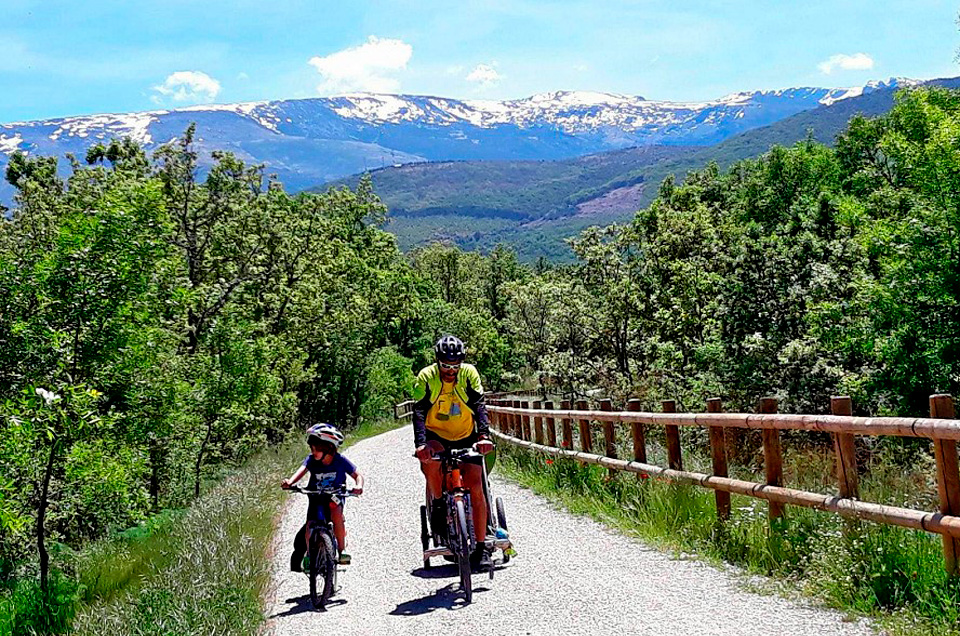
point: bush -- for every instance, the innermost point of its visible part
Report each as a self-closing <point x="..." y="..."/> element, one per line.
<point x="28" y="610"/>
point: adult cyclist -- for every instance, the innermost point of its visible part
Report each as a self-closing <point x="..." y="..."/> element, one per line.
<point x="450" y="411"/>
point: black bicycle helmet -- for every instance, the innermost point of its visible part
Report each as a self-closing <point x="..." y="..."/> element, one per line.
<point x="450" y="349"/>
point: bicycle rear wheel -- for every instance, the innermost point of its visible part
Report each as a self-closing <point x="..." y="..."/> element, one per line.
<point x="502" y="520"/>
<point x="424" y="536"/>
<point x="463" y="551"/>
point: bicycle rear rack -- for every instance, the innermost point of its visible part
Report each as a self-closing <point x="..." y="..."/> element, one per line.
<point x="502" y="544"/>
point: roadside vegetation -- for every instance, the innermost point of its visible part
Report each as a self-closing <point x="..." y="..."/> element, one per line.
<point x="891" y="574"/>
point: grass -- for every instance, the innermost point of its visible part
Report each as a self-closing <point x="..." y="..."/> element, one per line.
<point x="892" y="574"/>
<point x="201" y="570"/>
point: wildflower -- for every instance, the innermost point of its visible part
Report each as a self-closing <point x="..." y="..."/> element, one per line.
<point x="48" y="396"/>
<point x="549" y="461"/>
<point x="644" y="476"/>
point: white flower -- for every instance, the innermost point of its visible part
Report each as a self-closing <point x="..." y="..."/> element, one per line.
<point x="48" y="396"/>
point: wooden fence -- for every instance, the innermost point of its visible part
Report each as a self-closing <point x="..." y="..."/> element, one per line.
<point x="534" y="425"/>
<point x="403" y="410"/>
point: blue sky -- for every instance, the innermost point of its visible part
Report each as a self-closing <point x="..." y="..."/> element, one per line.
<point x="61" y="58"/>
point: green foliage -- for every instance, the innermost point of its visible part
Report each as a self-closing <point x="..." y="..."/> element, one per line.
<point x="159" y="328"/>
<point x="27" y="609"/>
<point x="389" y="381"/>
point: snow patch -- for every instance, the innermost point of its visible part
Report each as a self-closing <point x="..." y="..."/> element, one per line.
<point x="376" y="107"/>
<point x="8" y="144"/>
<point x="841" y="94"/>
<point x="264" y="113"/>
<point x="134" y="125"/>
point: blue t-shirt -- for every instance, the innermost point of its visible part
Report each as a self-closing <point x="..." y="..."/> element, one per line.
<point x="332" y="475"/>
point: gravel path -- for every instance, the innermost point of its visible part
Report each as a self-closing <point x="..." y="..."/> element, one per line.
<point x="571" y="576"/>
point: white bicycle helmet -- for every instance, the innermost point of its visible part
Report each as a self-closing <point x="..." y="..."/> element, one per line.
<point x="324" y="432"/>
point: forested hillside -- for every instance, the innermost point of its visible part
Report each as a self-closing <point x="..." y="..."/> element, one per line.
<point x="533" y="206"/>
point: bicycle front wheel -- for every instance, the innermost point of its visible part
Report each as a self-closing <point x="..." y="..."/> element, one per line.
<point x="323" y="568"/>
<point x="463" y="551"/>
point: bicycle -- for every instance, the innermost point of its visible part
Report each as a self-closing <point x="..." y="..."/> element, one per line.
<point x="458" y="541"/>
<point x="322" y="550"/>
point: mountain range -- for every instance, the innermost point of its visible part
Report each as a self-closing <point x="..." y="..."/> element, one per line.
<point x="307" y="142"/>
<point x="534" y="205"/>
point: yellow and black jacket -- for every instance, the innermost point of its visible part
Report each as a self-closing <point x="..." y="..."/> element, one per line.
<point x="466" y="390"/>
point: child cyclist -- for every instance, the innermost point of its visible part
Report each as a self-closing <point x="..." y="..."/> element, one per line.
<point x="328" y="470"/>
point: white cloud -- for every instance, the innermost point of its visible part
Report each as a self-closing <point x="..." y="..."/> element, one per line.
<point x="581" y="68"/>
<point x="855" y="62"/>
<point x="242" y="76"/>
<point x="369" y="67"/>
<point x="188" y="86"/>
<point x="485" y="75"/>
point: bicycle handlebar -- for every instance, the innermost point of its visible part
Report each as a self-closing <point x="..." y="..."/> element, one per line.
<point x="342" y="491"/>
<point x="456" y="452"/>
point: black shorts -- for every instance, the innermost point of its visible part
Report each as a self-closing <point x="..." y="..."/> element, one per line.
<point x="466" y="442"/>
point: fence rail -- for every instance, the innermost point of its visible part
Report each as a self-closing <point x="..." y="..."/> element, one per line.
<point x="403" y="410"/>
<point x="515" y="422"/>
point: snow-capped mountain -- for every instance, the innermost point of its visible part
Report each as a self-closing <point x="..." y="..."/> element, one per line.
<point x="311" y="141"/>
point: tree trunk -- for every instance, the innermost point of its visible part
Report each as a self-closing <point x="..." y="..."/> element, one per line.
<point x="155" y="475"/>
<point x="41" y="517"/>
<point x="203" y="448"/>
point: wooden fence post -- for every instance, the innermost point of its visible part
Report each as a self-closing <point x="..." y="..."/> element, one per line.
<point x="586" y="438"/>
<point x="845" y="447"/>
<point x="609" y="437"/>
<point x="772" y="456"/>
<point x="551" y="426"/>
<point x="525" y="422"/>
<point x="515" y="423"/>
<point x="948" y="478"/>
<point x="538" y="423"/>
<point x="718" y="451"/>
<point x="567" y="425"/>
<point x="609" y="431"/>
<point x="674" y="456"/>
<point x="639" y="438"/>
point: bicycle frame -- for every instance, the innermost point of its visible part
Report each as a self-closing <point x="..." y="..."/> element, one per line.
<point x="453" y="489"/>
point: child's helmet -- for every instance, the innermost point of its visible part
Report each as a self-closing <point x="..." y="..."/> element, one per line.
<point x="324" y="432"/>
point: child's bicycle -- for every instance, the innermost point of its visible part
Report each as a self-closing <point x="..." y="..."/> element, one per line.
<point x="323" y="550"/>
<point x="457" y="540"/>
